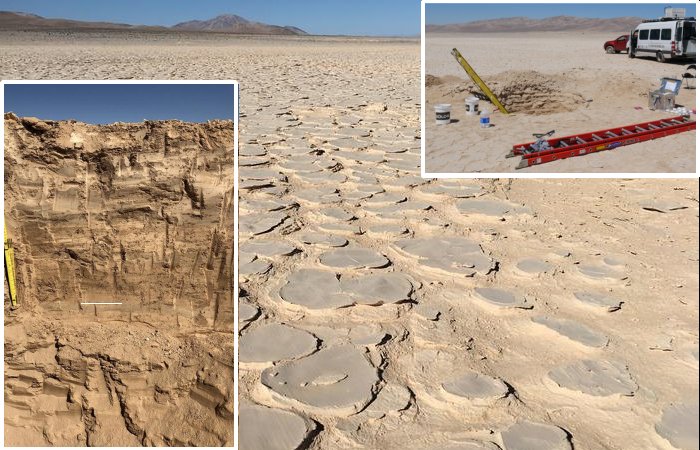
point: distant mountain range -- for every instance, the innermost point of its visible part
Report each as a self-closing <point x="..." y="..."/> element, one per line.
<point x="231" y="23"/>
<point x="227" y="23"/>
<point x="522" y="24"/>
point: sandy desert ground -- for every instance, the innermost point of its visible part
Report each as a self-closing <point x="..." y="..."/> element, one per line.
<point x="140" y="214"/>
<point x="550" y="81"/>
<point x="381" y="310"/>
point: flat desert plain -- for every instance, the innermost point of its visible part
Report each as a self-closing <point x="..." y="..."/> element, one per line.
<point x="381" y="310"/>
<point x="561" y="81"/>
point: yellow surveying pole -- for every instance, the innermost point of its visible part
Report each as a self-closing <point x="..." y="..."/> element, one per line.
<point x="473" y="75"/>
<point x="10" y="269"/>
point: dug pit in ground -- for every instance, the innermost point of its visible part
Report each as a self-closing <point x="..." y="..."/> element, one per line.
<point x="138" y="214"/>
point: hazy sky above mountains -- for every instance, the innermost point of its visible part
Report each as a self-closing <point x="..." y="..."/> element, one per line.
<point x="352" y="17"/>
<point x="458" y="13"/>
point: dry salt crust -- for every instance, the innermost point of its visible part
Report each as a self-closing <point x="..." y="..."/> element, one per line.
<point x="297" y="95"/>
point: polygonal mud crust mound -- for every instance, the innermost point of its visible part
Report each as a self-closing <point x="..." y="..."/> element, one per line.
<point x="531" y="92"/>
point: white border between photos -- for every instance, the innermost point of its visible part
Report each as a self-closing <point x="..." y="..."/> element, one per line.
<point x="425" y="174"/>
<point x="236" y="121"/>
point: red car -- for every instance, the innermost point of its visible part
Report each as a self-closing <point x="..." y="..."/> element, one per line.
<point x="618" y="45"/>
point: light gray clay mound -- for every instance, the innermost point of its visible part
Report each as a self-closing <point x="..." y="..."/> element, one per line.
<point x="255" y="184"/>
<point x="598" y="300"/>
<point x="614" y="261"/>
<point x="452" y="189"/>
<point x="275" y="342"/>
<point x="679" y="426"/>
<point x="467" y="445"/>
<point x="600" y="272"/>
<point x="261" y="223"/>
<point x="535" y="436"/>
<point x="596" y="378"/>
<point x="354" y="132"/>
<point x="574" y="331"/>
<point x="475" y="386"/>
<point x="251" y="150"/>
<point x="348" y="143"/>
<point x="253" y="161"/>
<point x="354" y="195"/>
<point x="300" y="166"/>
<point x="361" y="156"/>
<point x="386" y="198"/>
<point x="323" y="239"/>
<point x="370" y="334"/>
<point x="392" y="397"/>
<point x="322" y="177"/>
<point x="318" y="196"/>
<point x="257" y="423"/>
<point x="265" y="205"/>
<point x="255" y="266"/>
<point x="314" y="289"/>
<point x="485" y="207"/>
<point x="340" y="227"/>
<point x="335" y="380"/>
<point x="452" y="254"/>
<point x="337" y="214"/>
<point x="427" y="311"/>
<point x="409" y="165"/>
<point x="370" y="185"/>
<point x="261" y="173"/>
<point x="534" y="266"/>
<point x="404" y="181"/>
<point x="382" y="230"/>
<point x="354" y="258"/>
<point x="411" y="207"/>
<point x="377" y="289"/>
<point x="268" y="248"/>
<point x="247" y="312"/>
<point x="502" y="298"/>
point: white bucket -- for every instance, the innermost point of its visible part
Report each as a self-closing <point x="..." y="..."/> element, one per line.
<point x="442" y="113"/>
<point x="471" y="106"/>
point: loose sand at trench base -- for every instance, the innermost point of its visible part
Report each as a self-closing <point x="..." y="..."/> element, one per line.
<point x="548" y="81"/>
<point x="380" y="310"/>
<point x="140" y="214"/>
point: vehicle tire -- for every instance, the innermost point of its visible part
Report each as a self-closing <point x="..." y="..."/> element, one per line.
<point x="660" y="57"/>
<point x="610" y="49"/>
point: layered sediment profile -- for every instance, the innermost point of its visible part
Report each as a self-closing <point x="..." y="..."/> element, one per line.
<point x="138" y="214"/>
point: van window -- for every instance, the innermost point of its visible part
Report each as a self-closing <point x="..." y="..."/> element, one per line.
<point x="654" y="35"/>
<point x="688" y="30"/>
<point x="666" y="34"/>
<point x="644" y="35"/>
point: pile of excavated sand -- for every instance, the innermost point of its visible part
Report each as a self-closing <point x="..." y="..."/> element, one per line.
<point x="135" y="213"/>
<point x="531" y="92"/>
<point x="526" y="92"/>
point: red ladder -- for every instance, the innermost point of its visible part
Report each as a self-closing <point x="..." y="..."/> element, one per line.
<point x="597" y="141"/>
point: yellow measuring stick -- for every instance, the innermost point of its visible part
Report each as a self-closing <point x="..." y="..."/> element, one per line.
<point x="10" y="269"/>
<point x="473" y="75"/>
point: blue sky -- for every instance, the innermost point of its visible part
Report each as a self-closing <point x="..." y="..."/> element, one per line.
<point x="353" y="17"/>
<point x="457" y="13"/>
<point x="108" y="103"/>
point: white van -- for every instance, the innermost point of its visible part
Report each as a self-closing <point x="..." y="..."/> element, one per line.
<point x="665" y="38"/>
